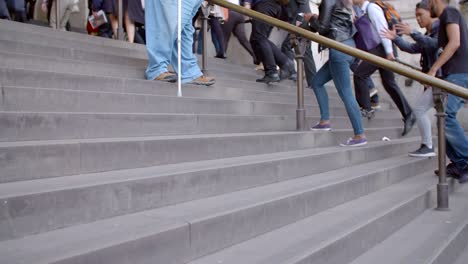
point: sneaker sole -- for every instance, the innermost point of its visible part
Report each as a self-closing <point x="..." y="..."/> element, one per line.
<point x="320" y="129"/>
<point x="427" y="155"/>
<point x="354" y="145"/>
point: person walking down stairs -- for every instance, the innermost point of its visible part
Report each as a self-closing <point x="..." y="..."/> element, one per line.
<point x="335" y="21"/>
<point x="67" y="7"/>
<point x="427" y="46"/>
<point x="453" y="39"/>
<point x="161" y="42"/>
<point x="265" y="50"/>
<point x="366" y="69"/>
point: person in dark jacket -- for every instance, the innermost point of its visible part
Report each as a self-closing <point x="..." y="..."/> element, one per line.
<point x="335" y="21"/>
<point x="427" y="46"/>
<point x="265" y="50"/>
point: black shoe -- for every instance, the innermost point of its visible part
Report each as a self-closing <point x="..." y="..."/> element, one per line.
<point x="463" y="176"/>
<point x="269" y="78"/>
<point x="423" y="151"/>
<point x="287" y="70"/>
<point x="451" y="170"/>
<point x="369" y="114"/>
<point x="409" y="123"/>
<point x="221" y="56"/>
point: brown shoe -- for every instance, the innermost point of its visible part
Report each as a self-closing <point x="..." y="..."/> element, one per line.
<point x="203" y="80"/>
<point x="167" y="77"/>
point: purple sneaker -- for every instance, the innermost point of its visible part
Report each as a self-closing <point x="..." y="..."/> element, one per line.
<point x="351" y="142"/>
<point x="320" y="127"/>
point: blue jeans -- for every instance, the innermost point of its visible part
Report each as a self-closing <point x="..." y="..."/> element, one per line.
<point x="457" y="143"/>
<point x="337" y="68"/>
<point x="161" y="38"/>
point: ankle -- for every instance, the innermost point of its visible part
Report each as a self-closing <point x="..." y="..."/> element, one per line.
<point x="360" y="136"/>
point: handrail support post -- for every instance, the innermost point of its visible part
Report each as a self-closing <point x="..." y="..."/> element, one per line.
<point x="300" y="45"/>
<point x="205" y="8"/>
<point x="442" y="187"/>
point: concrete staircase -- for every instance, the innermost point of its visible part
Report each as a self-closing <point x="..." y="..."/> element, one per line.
<point x="98" y="165"/>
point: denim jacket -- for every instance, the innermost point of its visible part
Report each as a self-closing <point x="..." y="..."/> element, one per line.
<point x="426" y="44"/>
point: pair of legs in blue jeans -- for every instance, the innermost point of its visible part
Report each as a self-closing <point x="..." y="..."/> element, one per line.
<point x="457" y="142"/>
<point x="161" y="38"/>
<point x="337" y="68"/>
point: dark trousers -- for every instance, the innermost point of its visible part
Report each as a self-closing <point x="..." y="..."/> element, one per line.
<point x="309" y="63"/>
<point x="218" y="39"/>
<point x="236" y="25"/>
<point x="17" y="7"/>
<point x="265" y="50"/>
<point x="365" y="70"/>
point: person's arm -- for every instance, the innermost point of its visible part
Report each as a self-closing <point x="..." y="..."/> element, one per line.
<point x="406" y="46"/>
<point x="453" y="35"/>
<point x="321" y="23"/>
<point x="425" y="41"/>
<point x="377" y="17"/>
<point x="422" y="40"/>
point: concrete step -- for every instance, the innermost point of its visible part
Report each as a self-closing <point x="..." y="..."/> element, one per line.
<point x="23" y="126"/>
<point x="24" y="44"/>
<point x="127" y="191"/>
<point x="26" y="160"/>
<point x="45" y="37"/>
<point x="25" y="99"/>
<point x="16" y="99"/>
<point x="108" y="61"/>
<point x="72" y="39"/>
<point x="36" y="62"/>
<point x="223" y="89"/>
<point x="178" y="233"/>
<point x="434" y="237"/>
<point x="463" y="258"/>
<point x="339" y="234"/>
<point x="68" y="81"/>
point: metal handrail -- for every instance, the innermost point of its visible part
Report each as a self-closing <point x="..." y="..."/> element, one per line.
<point x="440" y="87"/>
<point x="381" y="62"/>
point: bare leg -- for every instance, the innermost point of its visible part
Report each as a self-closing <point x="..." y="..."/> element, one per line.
<point x="114" y="23"/>
<point x="130" y="27"/>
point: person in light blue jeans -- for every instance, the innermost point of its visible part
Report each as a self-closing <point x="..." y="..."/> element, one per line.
<point x="336" y="22"/>
<point x="161" y="42"/>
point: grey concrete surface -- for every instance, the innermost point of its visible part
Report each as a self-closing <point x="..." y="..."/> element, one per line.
<point x="345" y="230"/>
<point x="126" y="190"/>
<point x="20" y="126"/>
<point x="98" y="165"/>
<point x="414" y="243"/>
<point x="216" y="223"/>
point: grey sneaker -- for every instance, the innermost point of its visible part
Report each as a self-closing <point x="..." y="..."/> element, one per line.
<point x="203" y="80"/>
<point x="423" y="151"/>
<point x="368" y="113"/>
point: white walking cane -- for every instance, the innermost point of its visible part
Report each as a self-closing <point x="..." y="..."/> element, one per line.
<point x="179" y="36"/>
